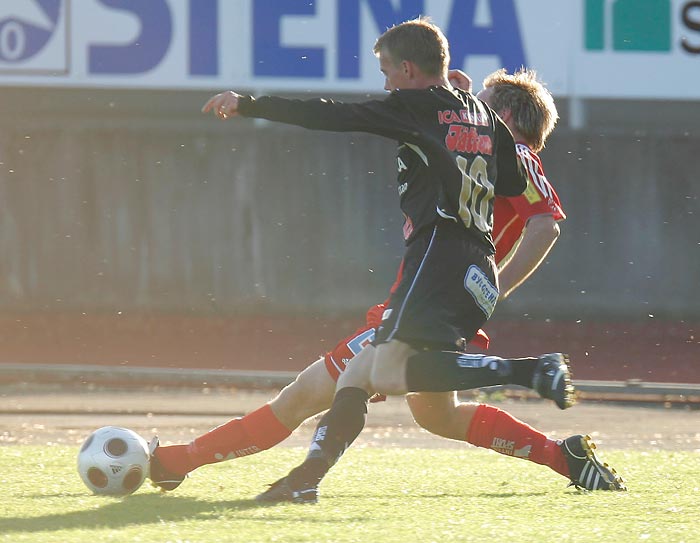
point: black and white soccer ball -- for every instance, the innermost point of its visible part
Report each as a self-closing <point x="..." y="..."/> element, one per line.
<point x="113" y="461"/>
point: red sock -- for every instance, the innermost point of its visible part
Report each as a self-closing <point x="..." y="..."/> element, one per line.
<point x="255" y="432"/>
<point x="494" y="429"/>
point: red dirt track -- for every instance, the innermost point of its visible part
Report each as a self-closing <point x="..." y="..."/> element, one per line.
<point x="653" y="351"/>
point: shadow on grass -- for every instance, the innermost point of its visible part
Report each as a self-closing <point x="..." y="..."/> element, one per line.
<point x="134" y="510"/>
<point x="512" y="494"/>
<point x="446" y="495"/>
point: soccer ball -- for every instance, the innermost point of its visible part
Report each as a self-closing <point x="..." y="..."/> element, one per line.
<point x="113" y="461"/>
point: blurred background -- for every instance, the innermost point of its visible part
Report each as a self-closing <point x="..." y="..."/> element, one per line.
<point x="135" y="231"/>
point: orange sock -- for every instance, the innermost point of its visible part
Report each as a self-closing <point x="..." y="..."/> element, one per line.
<point x="255" y="432"/>
<point x="494" y="429"/>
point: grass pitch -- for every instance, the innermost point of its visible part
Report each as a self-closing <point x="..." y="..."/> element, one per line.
<point x="383" y="495"/>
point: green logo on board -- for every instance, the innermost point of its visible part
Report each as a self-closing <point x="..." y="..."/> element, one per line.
<point x="633" y="25"/>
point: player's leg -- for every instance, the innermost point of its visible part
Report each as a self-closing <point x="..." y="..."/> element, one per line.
<point x="388" y="374"/>
<point x="443" y="371"/>
<point x="344" y="421"/>
<point x="415" y="316"/>
<point x="341" y="425"/>
<point x="400" y="368"/>
<point x="334" y="433"/>
<point x="309" y="394"/>
<point x="491" y="428"/>
<point x="441" y="413"/>
<point x="485" y="426"/>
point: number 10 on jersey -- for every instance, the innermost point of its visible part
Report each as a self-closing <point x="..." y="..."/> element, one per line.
<point x="476" y="194"/>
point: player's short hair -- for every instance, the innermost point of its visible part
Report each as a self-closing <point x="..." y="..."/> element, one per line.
<point x="418" y="41"/>
<point x="531" y="104"/>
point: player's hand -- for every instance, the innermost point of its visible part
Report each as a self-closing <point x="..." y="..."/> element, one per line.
<point x="224" y="105"/>
<point x="460" y="80"/>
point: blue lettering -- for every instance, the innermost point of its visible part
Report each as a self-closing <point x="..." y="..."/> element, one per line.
<point x="358" y="343"/>
<point x="270" y="58"/>
<point x="204" y="37"/>
<point x="348" y="28"/>
<point x="52" y="8"/>
<point x="146" y="51"/>
<point x="502" y="39"/>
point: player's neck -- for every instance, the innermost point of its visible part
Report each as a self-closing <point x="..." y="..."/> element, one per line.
<point x="518" y="137"/>
<point x="439" y="81"/>
<point x="425" y="81"/>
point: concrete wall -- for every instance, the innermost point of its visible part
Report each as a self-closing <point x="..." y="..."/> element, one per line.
<point x="132" y="200"/>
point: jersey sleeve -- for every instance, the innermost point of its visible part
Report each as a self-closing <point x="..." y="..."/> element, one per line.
<point x="532" y="203"/>
<point x="511" y="177"/>
<point x="539" y="197"/>
<point x="388" y="117"/>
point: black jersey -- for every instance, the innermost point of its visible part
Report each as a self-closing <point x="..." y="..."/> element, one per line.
<point x="454" y="152"/>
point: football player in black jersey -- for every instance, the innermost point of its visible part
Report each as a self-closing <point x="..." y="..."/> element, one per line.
<point x="525" y="228"/>
<point x="454" y="154"/>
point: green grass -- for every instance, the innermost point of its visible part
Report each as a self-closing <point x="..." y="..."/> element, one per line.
<point x="373" y="495"/>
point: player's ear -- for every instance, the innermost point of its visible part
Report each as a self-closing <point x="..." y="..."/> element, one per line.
<point x="506" y="114"/>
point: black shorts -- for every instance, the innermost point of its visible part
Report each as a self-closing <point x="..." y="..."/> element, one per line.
<point x="448" y="290"/>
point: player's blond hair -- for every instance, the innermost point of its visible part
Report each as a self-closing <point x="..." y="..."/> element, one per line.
<point x="531" y="104"/>
<point x="418" y="41"/>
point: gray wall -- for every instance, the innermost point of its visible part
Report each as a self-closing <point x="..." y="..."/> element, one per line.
<point x="132" y="200"/>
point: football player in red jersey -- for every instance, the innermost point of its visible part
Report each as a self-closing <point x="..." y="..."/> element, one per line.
<point x="525" y="230"/>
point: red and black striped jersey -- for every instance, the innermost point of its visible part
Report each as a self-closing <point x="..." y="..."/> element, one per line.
<point x="454" y="153"/>
<point x="511" y="214"/>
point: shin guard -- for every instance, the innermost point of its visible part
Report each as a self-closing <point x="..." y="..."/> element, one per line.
<point x="336" y="430"/>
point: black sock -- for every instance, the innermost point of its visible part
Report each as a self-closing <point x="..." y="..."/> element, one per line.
<point x="522" y="370"/>
<point x="443" y="371"/>
<point x="336" y="430"/>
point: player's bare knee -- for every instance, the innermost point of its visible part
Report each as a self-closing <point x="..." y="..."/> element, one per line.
<point x="309" y="394"/>
<point x="290" y="405"/>
<point x="434" y="412"/>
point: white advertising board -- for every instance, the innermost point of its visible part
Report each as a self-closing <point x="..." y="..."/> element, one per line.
<point x="581" y="48"/>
